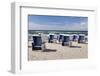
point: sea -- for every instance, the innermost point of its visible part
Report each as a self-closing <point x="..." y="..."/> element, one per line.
<point x="57" y="32"/>
<point x="45" y="33"/>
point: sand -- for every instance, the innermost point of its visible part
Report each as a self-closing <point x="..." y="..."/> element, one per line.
<point x="63" y="52"/>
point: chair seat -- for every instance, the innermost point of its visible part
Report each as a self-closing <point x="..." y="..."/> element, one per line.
<point x="37" y="46"/>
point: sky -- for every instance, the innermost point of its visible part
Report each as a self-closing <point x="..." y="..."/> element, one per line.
<point x="42" y="22"/>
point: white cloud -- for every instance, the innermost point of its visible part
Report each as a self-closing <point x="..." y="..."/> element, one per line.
<point x="34" y="26"/>
<point x="75" y="26"/>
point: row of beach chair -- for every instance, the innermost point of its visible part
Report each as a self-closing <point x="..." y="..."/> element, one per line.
<point x="65" y="39"/>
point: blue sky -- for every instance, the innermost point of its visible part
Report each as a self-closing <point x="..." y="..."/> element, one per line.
<point x="40" y="22"/>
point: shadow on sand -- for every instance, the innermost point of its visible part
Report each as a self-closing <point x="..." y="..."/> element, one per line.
<point x="75" y="46"/>
<point x="49" y="50"/>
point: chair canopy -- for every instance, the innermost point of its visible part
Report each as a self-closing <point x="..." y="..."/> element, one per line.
<point x="66" y="38"/>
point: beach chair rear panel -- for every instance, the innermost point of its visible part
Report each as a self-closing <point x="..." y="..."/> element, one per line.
<point x="37" y="40"/>
<point x="66" y="38"/>
<point x="51" y="37"/>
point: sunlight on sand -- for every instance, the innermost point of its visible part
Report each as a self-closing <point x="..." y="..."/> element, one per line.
<point x="62" y="52"/>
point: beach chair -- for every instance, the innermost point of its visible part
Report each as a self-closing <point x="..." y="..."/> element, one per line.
<point x="86" y="39"/>
<point x="37" y="43"/>
<point x="81" y="39"/>
<point x="60" y="38"/>
<point x="51" y="38"/>
<point x="66" y="41"/>
<point x="75" y="37"/>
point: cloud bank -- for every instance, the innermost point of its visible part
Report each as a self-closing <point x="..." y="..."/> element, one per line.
<point x="82" y="26"/>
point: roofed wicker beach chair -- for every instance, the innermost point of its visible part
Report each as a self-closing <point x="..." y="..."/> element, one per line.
<point x="51" y="38"/>
<point x="81" y="38"/>
<point x="37" y="43"/>
<point x="60" y="38"/>
<point x="75" y="37"/>
<point x="86" y="39"/>
<point x="66" y="40"/>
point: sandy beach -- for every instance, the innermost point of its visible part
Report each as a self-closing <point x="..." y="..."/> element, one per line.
<point x="59" y="31"/>
<point x="62" y="52"/>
